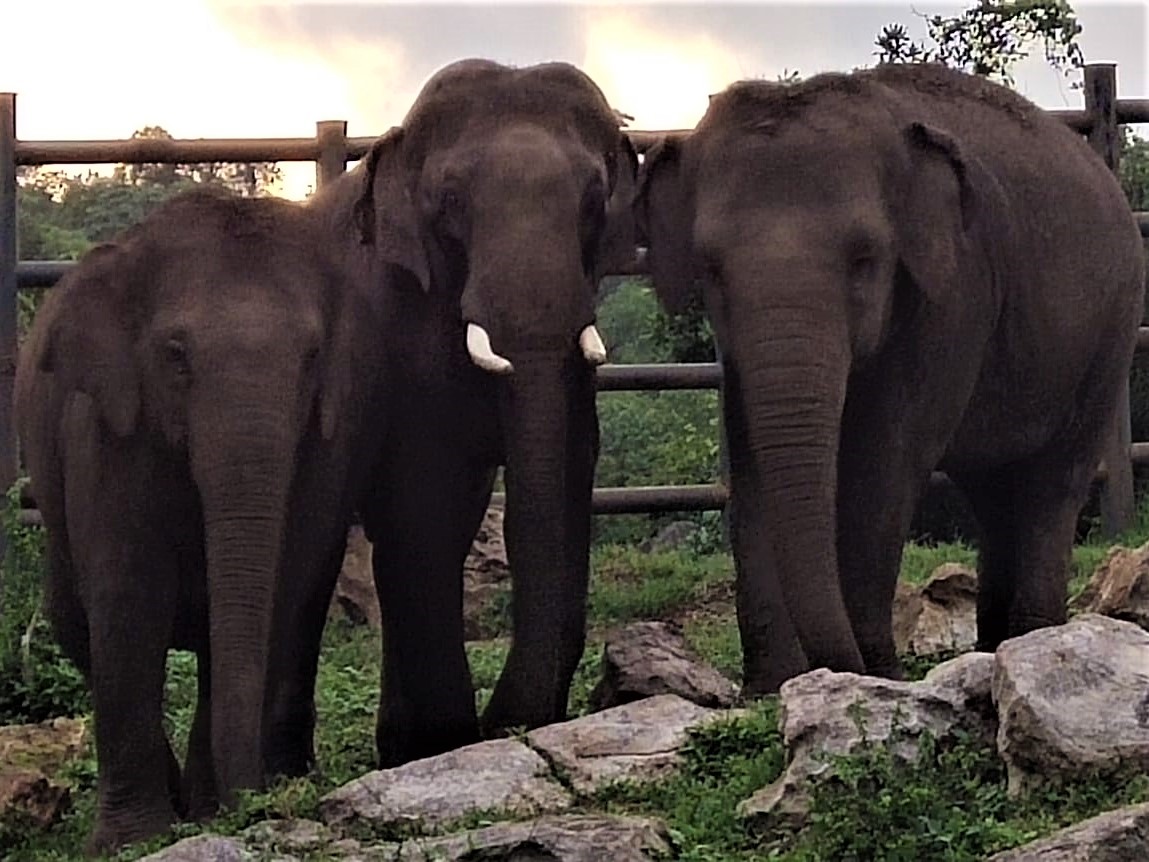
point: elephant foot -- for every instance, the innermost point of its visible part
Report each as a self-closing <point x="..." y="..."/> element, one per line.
<point x="111" y="834"/>
<point x="397" y="745"/>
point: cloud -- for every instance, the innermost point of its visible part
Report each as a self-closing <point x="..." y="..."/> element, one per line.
<point x="660" y="78"/>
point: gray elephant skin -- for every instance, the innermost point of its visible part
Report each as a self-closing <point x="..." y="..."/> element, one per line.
<point x="188" y="402"/>
<point x="905" y="267"/>
<point x="486" y="218"/>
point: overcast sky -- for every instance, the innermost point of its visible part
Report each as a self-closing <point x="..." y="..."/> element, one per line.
<point x="230" y="68"/>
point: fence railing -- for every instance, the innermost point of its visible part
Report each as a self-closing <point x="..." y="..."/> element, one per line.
<point x="331" y="149"/>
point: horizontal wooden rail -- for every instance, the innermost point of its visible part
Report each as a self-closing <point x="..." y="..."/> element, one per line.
<point x="169" y="151"/>
<point x="136" y="151"/>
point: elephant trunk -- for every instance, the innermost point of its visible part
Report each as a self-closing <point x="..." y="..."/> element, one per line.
<point x="550" y="432"/>
<point x="243" y="467"/>
<point x="790" y="388"/>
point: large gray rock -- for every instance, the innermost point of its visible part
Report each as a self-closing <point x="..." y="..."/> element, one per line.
<point x="1072" y="698"/>
<point x="648" y="658"/>
<point x="1119" y="587"/>
<point x="202" y="848"/>
<point x="499" y="775"/>
<point x="637" y="741"/>
<point x="826" y="714"/>
<point x="1116" y="836"/>
<point x="940" y="616"/>
<point x="569" y="838"/>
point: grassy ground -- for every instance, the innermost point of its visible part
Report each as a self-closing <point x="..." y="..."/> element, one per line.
<point x="950" y="806"/>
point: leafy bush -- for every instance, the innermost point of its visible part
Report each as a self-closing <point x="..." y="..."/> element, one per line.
<point x="37" y="681"/>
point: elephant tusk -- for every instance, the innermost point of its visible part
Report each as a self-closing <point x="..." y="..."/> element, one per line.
<point x="479" y="346"/>
<point x="592" y="347"/>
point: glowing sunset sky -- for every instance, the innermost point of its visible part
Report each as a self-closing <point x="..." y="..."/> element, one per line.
<point x="229" y="68"/>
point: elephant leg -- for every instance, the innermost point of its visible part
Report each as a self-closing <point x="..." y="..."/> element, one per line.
<point x="421" y="520"/>
<point x="891" y="439"/>
<point x="199" y="786"/>
<point x="128" y="652"/>
<point x="308" y="587"/>
<point x="876" y="502"/>
<point x="991" y="497"/>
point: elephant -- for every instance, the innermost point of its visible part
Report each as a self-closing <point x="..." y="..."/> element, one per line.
<point x="486" y="219"/>
<point x="189" y="405"/>
<point x="906" y="268"/>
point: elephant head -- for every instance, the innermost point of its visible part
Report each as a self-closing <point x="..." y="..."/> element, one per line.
<point x="216" y="338"/>
<point x="503" y="197"/>
<point x="815" y="226"/>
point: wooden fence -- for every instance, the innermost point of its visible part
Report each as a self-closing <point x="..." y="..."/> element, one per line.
<point x="331" y="150"/>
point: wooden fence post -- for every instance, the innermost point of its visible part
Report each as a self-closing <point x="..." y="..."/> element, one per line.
<point x="331" y="136"/>
<point x="9" y="462"/>
<point x="1117" y="502"/>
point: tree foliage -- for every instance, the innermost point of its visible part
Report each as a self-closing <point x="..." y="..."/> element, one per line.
<point x="61" y="214"/>
<point x="990" y="38"/>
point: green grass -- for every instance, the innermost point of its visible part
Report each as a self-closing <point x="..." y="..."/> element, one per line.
<point x="950" y="805"/>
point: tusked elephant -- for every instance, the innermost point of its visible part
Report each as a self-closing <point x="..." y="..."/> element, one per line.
<point x="486" y="219"/>
<point x="189" y="404"/>
<point x="906" y="268"/>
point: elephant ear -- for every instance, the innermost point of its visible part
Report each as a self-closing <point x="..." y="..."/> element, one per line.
<point x="665" y="221"/>
<point x="939" y="209"/>
<point x="616" y="248"/>
<point x="385" y="212"/>
<point x="89" y="343"/>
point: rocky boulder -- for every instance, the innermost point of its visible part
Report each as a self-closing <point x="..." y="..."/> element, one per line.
<point x="671" y="537"/>
<point x="1115" y="836"/>
<point x="1073" y="698"/>
<point x="636" y="742"/>
<point x="499" y="775"/>
<point x="355" y="589"/>
<point x="567" y="838"/>
<point x="1119" y="587"/>
<point x="31" y="755"/>
<point x="644" y="659"/>
<point x="940" y="616"/>
<point x="824" y="714"/>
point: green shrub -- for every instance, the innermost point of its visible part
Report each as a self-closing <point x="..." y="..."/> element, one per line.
<point x="37" y="681"/>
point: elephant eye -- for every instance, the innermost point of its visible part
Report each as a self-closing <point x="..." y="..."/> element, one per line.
<point x="175" y="353"/>
<point x="863" y="267"/>
<point x="450" y="202"/>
